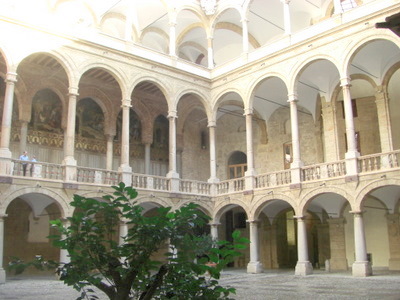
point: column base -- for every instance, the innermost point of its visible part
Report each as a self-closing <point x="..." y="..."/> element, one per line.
<point x="303" y="268"/>
<point x="2" y="276"/>
<point x="255" y="267"/>
<point x="394" y="264"/>
<point x="361" y="269"/>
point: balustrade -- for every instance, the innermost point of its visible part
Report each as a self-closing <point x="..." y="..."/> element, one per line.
<point x="48" y="171"/>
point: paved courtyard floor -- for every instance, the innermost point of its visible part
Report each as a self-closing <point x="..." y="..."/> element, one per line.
<point x="267" y="285"/>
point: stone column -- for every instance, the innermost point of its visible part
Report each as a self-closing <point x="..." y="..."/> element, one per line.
<point x="254" y="265"/>
<point x="213" y="162"/>
<point x="361" y="265"/>
<point x="338" y="260"/>
<point x="123" y="231"/>
<point x="24" y="137"/>
<point x="352" y="153"/>
<point x="172" y="145"/>
<point x="147" y="158"/>
<point x="286" y="16"/>
<point x="11" y="79"/>
<point x="210" y="52"/>
<point x="2" y="271"/>
<point x="64" y="255"/>
<point x="110" y="151"/>
<point x="125" y="168"/>
<point x="385" y="129"/>
<point x="172" y="174"/>
<point x="214" y="231"/>
<point x="303" y="266"/>
<point x="69" y="138"/>
<point x="250" y="173"/>
<point x="294" y="123"/>
<point x="393" y="223"/>
<point x="245" y="34"/>
<point x="172" y="39"/>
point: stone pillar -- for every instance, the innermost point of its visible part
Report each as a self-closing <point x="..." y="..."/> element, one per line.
<point x="24" y="137"/>
<point x="2" y="271"/>
<point x="123" y="231"/>
<point x="210" y="52"/>
<point x="352" y="153"/>
<point x="64" y="255"/>
<point x="213" y="162"/>
<point x="393" y="223"/>
<point x="214" y="231"/>
<point x="286" y="16"/>
<point x="110" y="151"/>
<point x="361" y="265"/>
<point x="69" y="138"/>
<point x="254" y="265"/>
<point x="385" y="129"/>
<point x="147" y="158"/>
<point x="245" y="35"/>
<point x="125" y="168"/>
<point x="11" y="79"/>
<point x="294" y="123"/>
<point x="303" y="266"/>
<point x="250" y="173"/>
<point x="172" y="174"/>
<point x="172" y="39"/>
<point x="338" y="260"/>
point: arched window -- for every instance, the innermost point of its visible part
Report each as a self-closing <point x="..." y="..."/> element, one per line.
<point x="237" y="164"/>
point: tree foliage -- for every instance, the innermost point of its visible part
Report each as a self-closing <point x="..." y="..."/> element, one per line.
<point x="128" y="269"/>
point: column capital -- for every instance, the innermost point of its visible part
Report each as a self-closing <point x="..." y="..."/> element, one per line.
<point x="248" y="111"/>
<point x="255" y="221"/>
<point x="172" y="23"/>
<point x="285" y="1"/>
<point x="345" y="81"/>
<point x="73" y="91"/>
<point x="126" y="103"/>
<point x="172" y="114"/>
<point x="11" y="77"/>
<point x="357" y="212"/>
<point x="214" y="224"/>
<point x="212" y="124"/>
<point x="244" y="20"/>
<point x="2" y="216"/>
<point x="292" y="98"/>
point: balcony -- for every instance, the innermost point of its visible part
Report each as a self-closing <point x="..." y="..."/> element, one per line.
<point x="376" y="164"/>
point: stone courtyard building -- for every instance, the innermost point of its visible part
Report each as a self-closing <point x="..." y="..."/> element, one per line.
<point x="280" y="118"/>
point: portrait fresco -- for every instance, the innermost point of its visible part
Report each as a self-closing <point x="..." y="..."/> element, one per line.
<point x="89" y="119"/>
<point x="46" y="112"/>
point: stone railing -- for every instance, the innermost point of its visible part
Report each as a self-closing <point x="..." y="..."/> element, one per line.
<point x="97" y="176"/>
<point x="323" y="171"/>
<point x="273" y="179"/>
<point x="37" y="169"/>
<point x="378" y="162"/>
<point x="142" y="181"/>
<point x="56" y="172"/>
<point x="194" y="187"/>
<point x="230" y="186"/>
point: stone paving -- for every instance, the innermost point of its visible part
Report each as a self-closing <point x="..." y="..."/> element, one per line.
<point x="268" y="285"/>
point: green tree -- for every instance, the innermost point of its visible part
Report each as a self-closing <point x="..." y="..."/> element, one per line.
<point x="128" y="270"/>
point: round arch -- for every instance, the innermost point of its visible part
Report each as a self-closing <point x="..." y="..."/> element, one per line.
<point x="61" y="200"/>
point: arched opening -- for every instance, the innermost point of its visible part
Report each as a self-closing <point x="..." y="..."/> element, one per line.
<point x="237" y="164"/>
